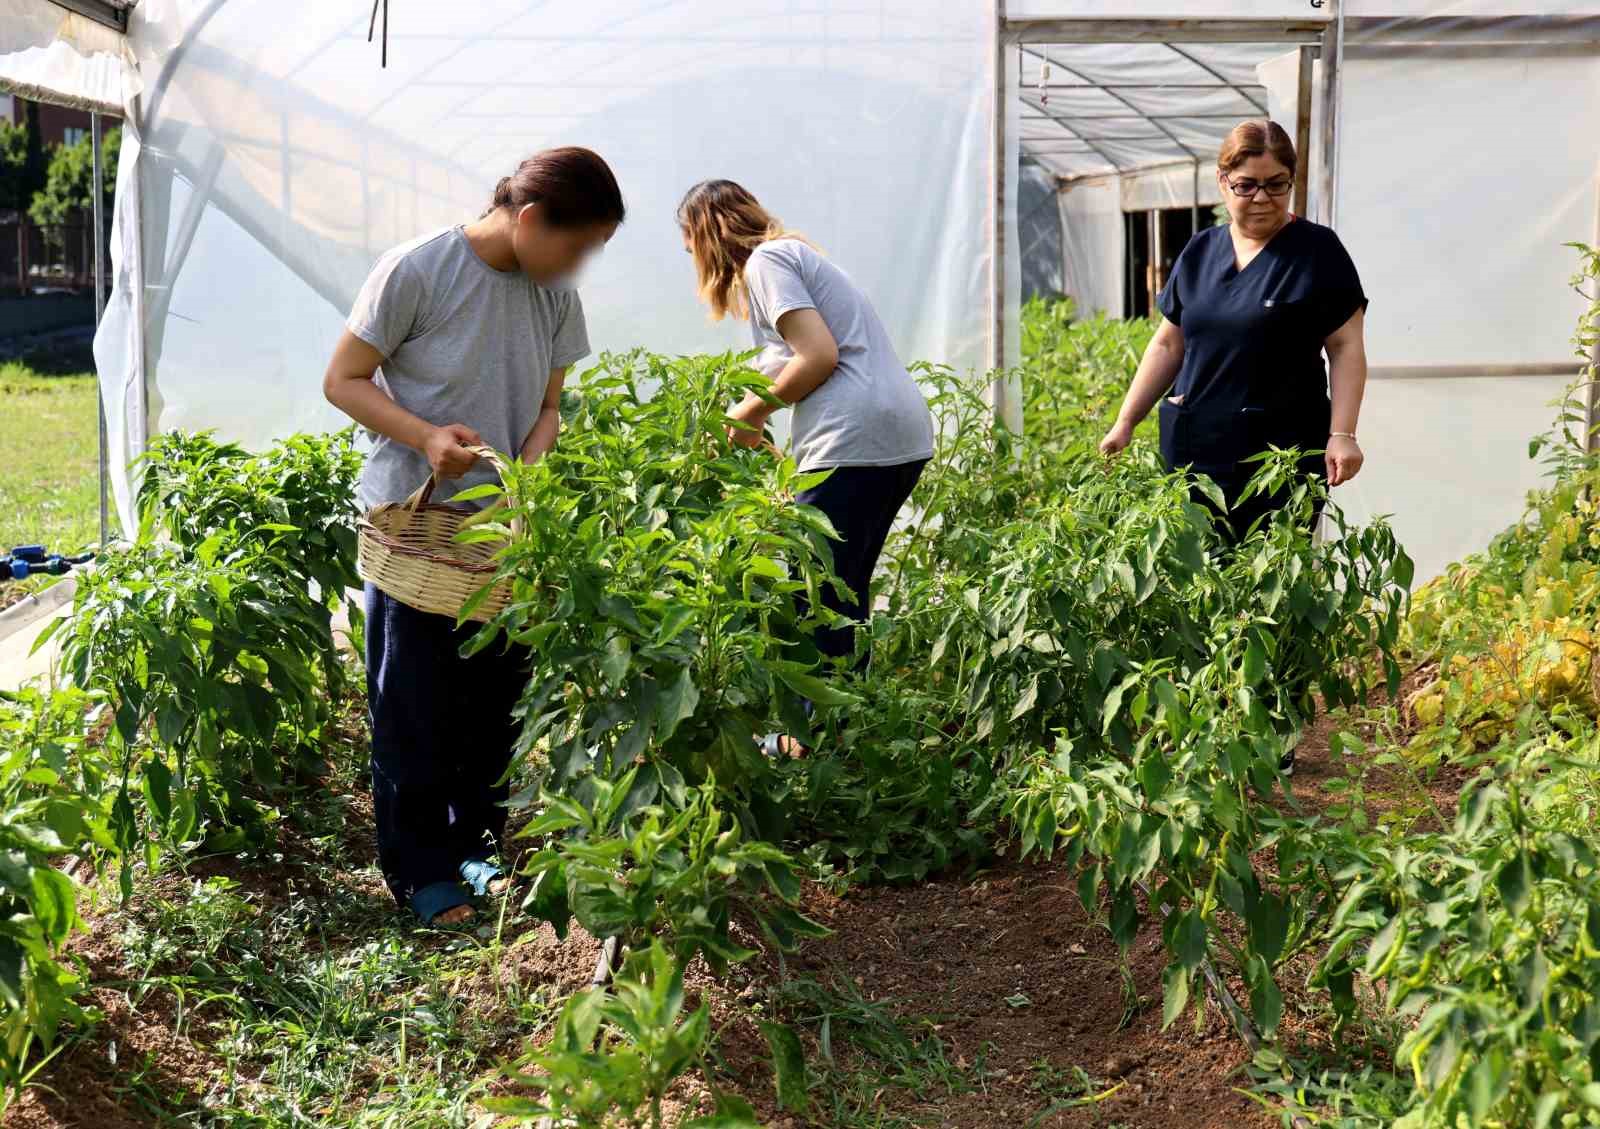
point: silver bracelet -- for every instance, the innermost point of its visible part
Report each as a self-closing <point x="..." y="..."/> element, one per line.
<point x="1350" y="435"/>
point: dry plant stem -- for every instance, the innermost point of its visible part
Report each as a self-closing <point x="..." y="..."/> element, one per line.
<point x="1241" y="1021"/>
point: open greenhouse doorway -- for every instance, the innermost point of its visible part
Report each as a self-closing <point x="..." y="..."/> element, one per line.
<point x="1154" y="240"/>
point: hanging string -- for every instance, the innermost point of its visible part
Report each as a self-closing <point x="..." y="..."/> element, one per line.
<point x="372" y="25"/>
<point x="1044" y="85"/>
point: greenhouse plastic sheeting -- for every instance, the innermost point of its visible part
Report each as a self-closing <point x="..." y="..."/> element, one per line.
<point x="280" y="159"/>
<point x="1460" y="242"/>
<point x="1091" y="239"/>
<point x="1107" y="107"/>
<point x="48" y="53"/>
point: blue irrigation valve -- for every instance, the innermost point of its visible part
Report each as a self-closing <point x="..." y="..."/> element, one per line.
<point x="24" y="563"/>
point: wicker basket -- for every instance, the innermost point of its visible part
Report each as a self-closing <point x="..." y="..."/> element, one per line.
<point x="408" y="549"/>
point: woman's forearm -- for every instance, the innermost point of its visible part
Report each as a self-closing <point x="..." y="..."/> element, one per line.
<point x="798" y="379"/>
<point x="1157" y="370"/>
<point x="802" y="376"/>
<point x="371" y="407"/>
<point x="1347" y="382"/>
<point x="543" y="436"/>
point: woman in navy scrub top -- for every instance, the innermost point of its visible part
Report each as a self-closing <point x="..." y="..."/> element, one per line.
<point x="1246" y="316"/>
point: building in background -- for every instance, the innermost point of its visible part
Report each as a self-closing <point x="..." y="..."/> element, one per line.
<point x="58" y="125"/>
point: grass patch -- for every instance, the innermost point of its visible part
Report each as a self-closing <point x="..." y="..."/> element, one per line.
<point x="49" y="447"/>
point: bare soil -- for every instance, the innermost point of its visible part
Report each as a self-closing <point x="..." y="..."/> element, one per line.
<point x="1018" y="985"/>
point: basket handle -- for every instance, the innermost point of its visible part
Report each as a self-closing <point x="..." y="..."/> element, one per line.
<point x="420" y="496"/>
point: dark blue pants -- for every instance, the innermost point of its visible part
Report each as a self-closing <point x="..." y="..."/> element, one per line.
<point x="442" y="736"/>
<point x="1240" y="516"/>
<point x="862" y="502"/>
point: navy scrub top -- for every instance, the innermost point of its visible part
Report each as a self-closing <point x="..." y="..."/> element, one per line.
<point x="1252" y="373"/>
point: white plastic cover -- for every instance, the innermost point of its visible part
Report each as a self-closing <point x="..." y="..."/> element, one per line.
<point x="1114" y="107"/>
<point x="280" y="159"/>
<point x="1463" y="174"/>
<point x="1091" y="240"/>
<point x="48" y="53"/>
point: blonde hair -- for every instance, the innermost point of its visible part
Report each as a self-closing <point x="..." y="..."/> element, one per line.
<point x="724" y="223"/>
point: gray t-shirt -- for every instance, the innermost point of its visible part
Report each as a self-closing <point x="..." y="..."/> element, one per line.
<point x="462" y="343"/>
<point x="870" y="412"/>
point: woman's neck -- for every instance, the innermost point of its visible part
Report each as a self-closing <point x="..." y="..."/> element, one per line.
<point x="1263" y="238"/>
<point x="490" y="240"/>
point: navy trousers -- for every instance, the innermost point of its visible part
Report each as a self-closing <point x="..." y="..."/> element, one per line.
<point x="862" y="502"/>
<point x="442" y="736"/>
<point x="1238" y="519"/>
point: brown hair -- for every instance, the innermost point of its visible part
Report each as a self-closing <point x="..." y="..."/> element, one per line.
<point x="724" y="224"/>
<point x="573" y="186"/>
<point x="1256" y="138"/>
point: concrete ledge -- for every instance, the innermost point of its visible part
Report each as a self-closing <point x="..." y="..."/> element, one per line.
<point x="31" y="609"/>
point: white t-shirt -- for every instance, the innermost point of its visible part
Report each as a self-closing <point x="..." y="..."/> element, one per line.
<point x="870" y="412"/>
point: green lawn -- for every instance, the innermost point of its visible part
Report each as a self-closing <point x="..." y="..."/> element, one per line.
<point x="49" y="449"/>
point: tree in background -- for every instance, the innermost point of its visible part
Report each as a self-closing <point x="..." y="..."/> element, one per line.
<point x="69" y="184"/>
<point x="22" y="163"/>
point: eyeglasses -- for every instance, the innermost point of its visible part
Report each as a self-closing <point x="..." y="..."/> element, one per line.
<point x="1277" y="186"/>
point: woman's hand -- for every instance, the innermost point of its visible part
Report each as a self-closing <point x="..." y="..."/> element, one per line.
<point x="446" y="448"/>
<point x="1158" y="368"/>
<point x="1344" y="459"/>
<point x="754" y="412"/>
<point x="1120" y="435"/>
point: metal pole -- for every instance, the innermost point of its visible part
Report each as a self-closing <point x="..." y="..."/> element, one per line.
<point x="1128" y="294"/>
<point x="1153" y="270"/>
<point x="100" y="302"/>
<point x="1302" y="133"/>
<point x="1332" y="55"/>
<point x="1194" y="204"/>
<point x="997" y="218"/>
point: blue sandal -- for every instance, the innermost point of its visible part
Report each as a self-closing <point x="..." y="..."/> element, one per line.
<point x="439" y="897"/>
<point x="773" y="746"/>
<point x="478" y="873"/>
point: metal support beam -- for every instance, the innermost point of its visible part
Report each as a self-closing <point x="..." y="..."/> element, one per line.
<point x="1057" y="31"/>
<point x="1173" y="137"/>
<point x="997" y="214"/>
<point x="1087" y="138"/>
<point x="1332" y="57"/>
<point x="1241" y="86"/>
<point x="1454" y="372"/>
<point x="100" y="305"/>
<point x="1302" y="133"/>
<point x="1143" y="117"/>
<point x="98" y="11"/>
<point x="1495" y="31"/>
<point x="1046" y="115"/>
<point x="1127" y="265"/>
<point x="1153" y="268"/>
<point x="1194" y="204"/>
<point x="1239" y="89"/>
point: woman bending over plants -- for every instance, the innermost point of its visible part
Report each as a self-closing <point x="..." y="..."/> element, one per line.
<point x="857" y="411"/>
<point x="461" y="337"/>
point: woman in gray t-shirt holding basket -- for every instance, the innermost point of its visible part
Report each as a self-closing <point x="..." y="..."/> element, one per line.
<point x="460" y="340"/>
<point x="857" y="411"/>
